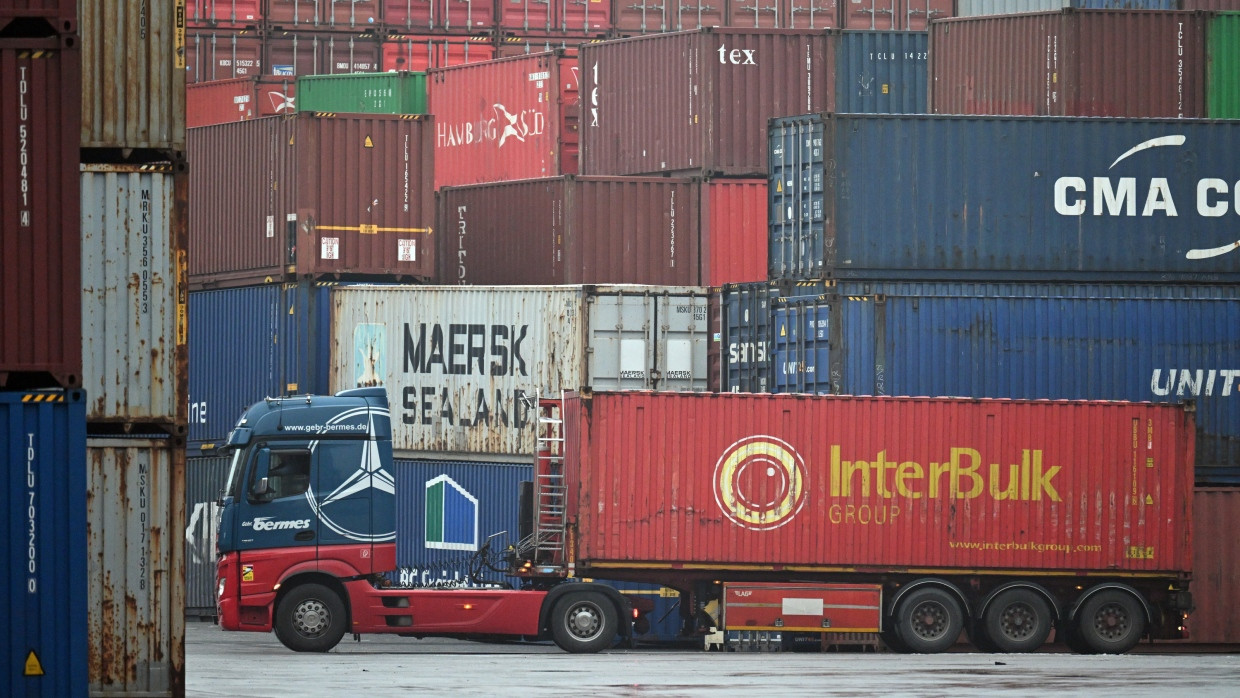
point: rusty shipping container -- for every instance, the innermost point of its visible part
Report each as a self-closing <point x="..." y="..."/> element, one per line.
<point x="697" y="102"/>
<point x="238" y="99"/>
<point x="135" y="585"/>
<point x="133" y="74"/>
<point x="1120" y="63"/>
<point x="312" y="196"/>
<point x="38" y="18"/>
<point x="134" y="294"/>
<point x="460" y="361"/>
<point x="40" y="249"/>
<point x="512" y="118"/>
<point x="212" y="55"/>
<point x="1216" y="566"/>
<point x="733" y="482"/>
<point x="602" y="230"/>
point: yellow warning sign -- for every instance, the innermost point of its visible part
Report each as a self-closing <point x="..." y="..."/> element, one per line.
<point x="369" y="143"/>
<point x="247" y="573"/>
<point x="33" y="666"/>
<point x="1149" y="499"/>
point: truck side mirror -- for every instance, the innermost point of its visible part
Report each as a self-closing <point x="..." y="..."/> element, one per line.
<point x="262" y="465"/>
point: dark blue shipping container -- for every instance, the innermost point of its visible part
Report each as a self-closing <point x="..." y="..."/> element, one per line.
<point x="747" y="333"/>
<point x="665" y="621"/>
<point x="446" y="510"/>
<point x="881" y="72"/>
<point x="1004" y="198"/>
<point x="204" y="481"/>
<point x="43" y="445"/>
<point x="801" y="344"/>
<point x="246" y="344"/>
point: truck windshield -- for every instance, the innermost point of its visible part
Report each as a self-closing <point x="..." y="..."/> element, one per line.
<point x="232" y="485"/>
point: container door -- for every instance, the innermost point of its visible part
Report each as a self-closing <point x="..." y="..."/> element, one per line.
<point x="681" y="343"/>
<point x="871" y="14"/>
<point x="621" y="348"/>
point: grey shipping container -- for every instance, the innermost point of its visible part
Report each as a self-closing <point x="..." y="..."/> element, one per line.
<point x="43" y="446"/>
<point x="135" y="583"/>
<point x="462" y="363"/>
<point x="1004" y="198"/>
<point x="204" y="481"/>
<point x="134" y="293"/>
<point x="133" y="79"/>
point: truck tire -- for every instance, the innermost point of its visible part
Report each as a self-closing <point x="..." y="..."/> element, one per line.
<point x="1017" y="620"/>
<point x="584" y="622"/>
<point x="1110" y="622"/>
<point x="929" y="620"/>
<point x="310" y="618"/>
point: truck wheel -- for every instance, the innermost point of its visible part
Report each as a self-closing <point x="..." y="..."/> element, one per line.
<point x="1018" y="620"/>
<point x="583" y="622"/>
<point x="310" y="618"/>
<point x="980" y="640"/>
<point x="1111" y="622"/>
<point x="929" y="620"/>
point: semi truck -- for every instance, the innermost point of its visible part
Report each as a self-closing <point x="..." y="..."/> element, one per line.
<point x="919" y="520"/>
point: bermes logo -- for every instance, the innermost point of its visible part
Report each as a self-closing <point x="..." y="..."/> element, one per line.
<point x="264" y="523"/>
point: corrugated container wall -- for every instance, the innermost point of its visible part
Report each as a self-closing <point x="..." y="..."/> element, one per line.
<point x="1071" y="63"/>
<point x="747" y="334"/>
<point x="58" y="16"/>
<point x="881" y="72"/>
<point x="246" y="344"/>
<point x="697" y="102"/>
<point x="363" y="93"/>
<point x="440" y="16"/>
<point x="133" y="79"/>
<point x="1211" y="5"/>
<point x="661" y="16"/>
<point x="40" y="248"/>
<point x="515" y="118"/>
<point x="810" y="459"/>
<point x="789" y="14"/>
<point x="134" y="293"/>
<point x="221" y="55"/>
<point x="238" y="99"/>
<point x="424" y="52"/>
<point x="342" y="16"/>
<point x="446" y="510"/>
<point x="993" y="202"/>
<point x="974" y="8"/>
<point x="902" y="15"/>
<point x="458" y="362"/>
<point x="1223" y="66"/>
<point x="43" y="444"/>
<point x="204" y="481"/>
<point x="313" y="196"/>
<point x="733" y="213"/>
<point x="225" y="13"/>
<point x="135" y="589"/>
<point x="1216" y="566"/>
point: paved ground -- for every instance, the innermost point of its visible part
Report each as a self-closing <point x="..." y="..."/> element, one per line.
<point x="248" y="664"/>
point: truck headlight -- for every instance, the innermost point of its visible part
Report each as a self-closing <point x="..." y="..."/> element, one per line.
<point x="220" y="592"/>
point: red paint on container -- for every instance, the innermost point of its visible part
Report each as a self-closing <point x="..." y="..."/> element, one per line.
<point x="347" y="197"/>
<point x="222" y="55"/>
<point x="349" y="53"/>
<point x="829" y="483"/>
<point x="659" y="16"/>
<point x="421" y="53"/>
<point x="317" y="14"/>
<point x="40" y="245"/>
<point x="239" y="99"/>
<point x="224" y="13"/>
<point x="514" y="118"/>
<point x="1119" y="63"/>
<point x="787" y="14"/>
<point x="584" y="17"/>
<point x="706" y="98"/>
<point x="525" y="16"/>
<point x="290" y="53"/>
<point x="913" y="15"/>
<point x="602" y="230"/>
<point x="1216" y="566"/>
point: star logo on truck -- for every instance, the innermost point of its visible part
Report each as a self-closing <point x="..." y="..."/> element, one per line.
<point x="370" y="475"/>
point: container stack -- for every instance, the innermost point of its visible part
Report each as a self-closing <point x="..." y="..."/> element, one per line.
<point x="133" y="193"/>
<point x="42" y="405"/>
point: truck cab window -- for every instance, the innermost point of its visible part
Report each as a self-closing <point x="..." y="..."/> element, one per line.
<point x="288" y="475"/>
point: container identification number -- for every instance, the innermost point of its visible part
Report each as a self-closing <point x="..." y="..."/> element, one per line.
<point x="32" y="552"/>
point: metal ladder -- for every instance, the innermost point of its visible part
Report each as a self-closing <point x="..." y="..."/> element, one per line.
<point x="549" y="488"/>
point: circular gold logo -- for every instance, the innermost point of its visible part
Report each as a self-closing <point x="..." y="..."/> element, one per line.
<point x="760" y="482"/>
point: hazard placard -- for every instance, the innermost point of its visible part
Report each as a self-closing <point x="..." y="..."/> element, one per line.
<point x="33" y="666"/>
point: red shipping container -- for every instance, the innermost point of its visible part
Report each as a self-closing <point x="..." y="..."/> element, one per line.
<point x="506" y="119"/>
<point x="912" y="15"/>
<point x="59" y="16"/>
<point x="224" y="13"/>
<point x="525" y="16"/>
<point x="222" y="55"/>
<point x="602" y="230"/>
<point x="307" y="196"/>
<point x="586" y="18"/>
<point x="341" y="54"/>
<point x="1216" y="566"/>
<point x="829" y="483"/>
<point x="697" y="102"/>
<point x="659" y="16"/>
<point x="440" y="16"/>
<point x="40" y="240"/>
<point x="1072" y="63"/>
<point x="290" y="53"/>
<point x="318" y="14"/>
<point x="421" y="53"/>
<point x="788" y="14"/>
<point x="222" y="101"/>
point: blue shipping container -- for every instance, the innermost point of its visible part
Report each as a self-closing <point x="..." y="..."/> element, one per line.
<point x="250" y="343"/>
<point x="881" y="72"/>
<point x="43" y="445"/>
<point x="747" y="334"/>
<point x="204" y="481"/>
<point x="1004" y="198"/>
<point x="446" y="510"/>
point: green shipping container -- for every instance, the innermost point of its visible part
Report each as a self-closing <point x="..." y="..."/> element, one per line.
<point x="1223" y="73"/>
<point x="363" y="93"/>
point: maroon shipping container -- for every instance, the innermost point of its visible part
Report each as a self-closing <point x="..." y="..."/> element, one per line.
<point x="321" y="14"/>
<point x="912" y="15"/>
<point x="920" y="485"/>
<point x="525" y="16"/>
<point x="659" y="16"/>
<point x="586" y="18"/>
<point x="309" y="196"/>
<point x="1216" y="566"/>
<point x="59" y="16"/>
<point x="602" y="230"/>
<point x="421" y="53"/>
<point x="697" y="102"/>
<point x="222" y="55"/>
<point x="239" y="99"/>
<point x="513" y="118"/>
<point x="1121" y="63"/>
<point x="440" y="16"/>
<point x="224" y="13"/>
<point x="40" y="240"/>
<point x="786" y="14"/>
<point x="290" y="53"/>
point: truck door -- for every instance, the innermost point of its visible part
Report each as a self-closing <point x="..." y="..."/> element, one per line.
<point x="349" y="478"/>
<point x="275" y="512"/>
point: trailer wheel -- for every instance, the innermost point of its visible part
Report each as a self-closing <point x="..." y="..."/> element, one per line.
<point x="1111" y="622"/>
<point x="310" y="618"/>
<point x="980" y="640"/>
<point x="583" y="622"/>
<point x="929" y="620"/>
<point x="1017" y="620"/>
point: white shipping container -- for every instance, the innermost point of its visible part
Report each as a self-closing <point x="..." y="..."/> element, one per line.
<point x="133" y="300"/>
<point x="463" y="364"/>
